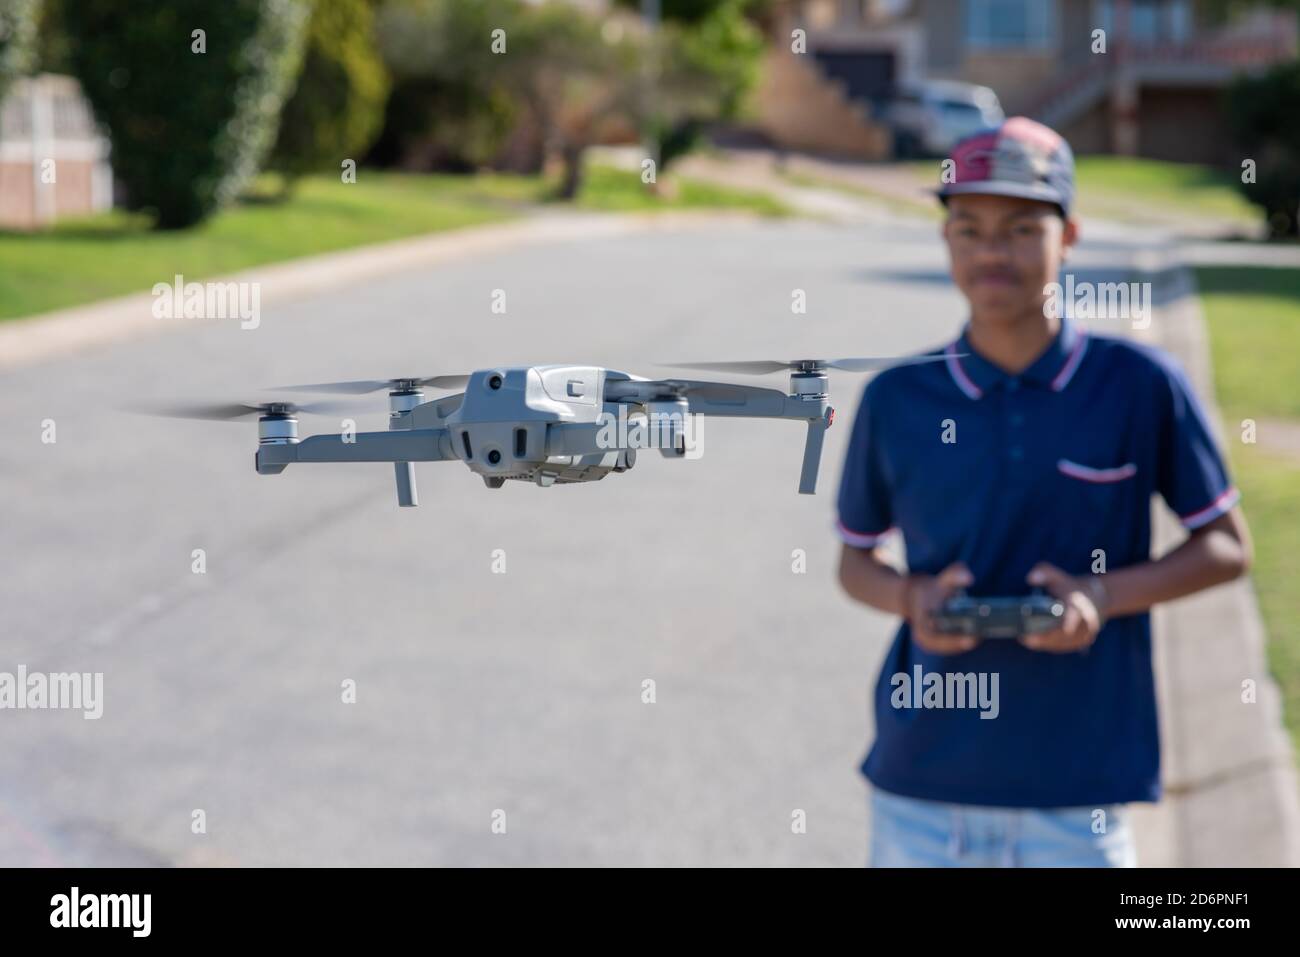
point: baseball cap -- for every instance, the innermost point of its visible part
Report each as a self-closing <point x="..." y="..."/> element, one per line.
<point x="1019" y="157"/>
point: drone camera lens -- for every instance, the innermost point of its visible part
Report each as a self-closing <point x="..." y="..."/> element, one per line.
<point x="494" y="457"/>
<point x="494" y="382"/>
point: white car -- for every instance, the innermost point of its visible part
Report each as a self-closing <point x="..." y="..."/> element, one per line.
<point x="929" y="117"/>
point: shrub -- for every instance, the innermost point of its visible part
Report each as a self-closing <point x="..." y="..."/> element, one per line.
<point x="188" y="129"/>
<point x="449" y="108"/>
<point x="1262" y="110"/>
<point x="17" y="39"/>
<point x="337" y="108"/>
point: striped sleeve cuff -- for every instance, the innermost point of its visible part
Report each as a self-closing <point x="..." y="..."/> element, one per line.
<point x="1220" y="506"/>
<point x="860" y="539"/>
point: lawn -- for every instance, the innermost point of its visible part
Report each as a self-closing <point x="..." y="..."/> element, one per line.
<point x="1108" y="187"/>
<point x="1123" y="188"/>
<point x="1254" y="323"/>
<point x="117" y="253"/>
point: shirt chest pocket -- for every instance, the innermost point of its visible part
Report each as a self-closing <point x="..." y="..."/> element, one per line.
<point x="1098" y="494"/>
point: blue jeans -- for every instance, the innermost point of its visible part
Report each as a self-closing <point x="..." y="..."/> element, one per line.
<point x="909" y="832"/>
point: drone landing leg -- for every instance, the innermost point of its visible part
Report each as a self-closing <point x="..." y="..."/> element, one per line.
<point x="407" y="496"/>
<point x="812" y="454"/>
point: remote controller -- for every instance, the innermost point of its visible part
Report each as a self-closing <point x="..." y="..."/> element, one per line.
<point x="998" y="617"/>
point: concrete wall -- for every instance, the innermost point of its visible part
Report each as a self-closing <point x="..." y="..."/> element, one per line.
<point x="799" y="109"/>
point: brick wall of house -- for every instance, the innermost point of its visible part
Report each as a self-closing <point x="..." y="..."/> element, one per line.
<point x="17" y="196"/>
<point x="1015" y="77"/>
<point x="1167" y="115"/>
<point x="45" y="119"/>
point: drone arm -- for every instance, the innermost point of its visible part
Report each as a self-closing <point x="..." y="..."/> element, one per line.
<point x="816" y="412"/>
<point x="415" y="445"/>
<point x="757" y="403"/>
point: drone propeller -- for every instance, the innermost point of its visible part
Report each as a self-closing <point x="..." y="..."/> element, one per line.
<point x="227" y="411"/>
<point x="362" y="386"/>
<point x="715" y="391"/>
<point x="652" y="389"/>
<point x="765" y="366"/>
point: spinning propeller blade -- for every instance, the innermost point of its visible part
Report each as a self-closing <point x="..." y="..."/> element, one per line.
<point x="228" y="411"/>
<point x="766" y="366"/>
<point x="362" y="386"/>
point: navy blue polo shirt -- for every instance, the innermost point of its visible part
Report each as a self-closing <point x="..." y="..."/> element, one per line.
<point x="1056" y="464"/>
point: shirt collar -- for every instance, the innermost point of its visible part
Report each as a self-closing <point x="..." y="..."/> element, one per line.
<point x="1054" y="369"/>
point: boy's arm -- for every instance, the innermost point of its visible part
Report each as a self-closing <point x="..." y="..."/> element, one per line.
<point x="1215" y="553"/>
<point x="865" y="576"/>
<point x="868" y="579"/>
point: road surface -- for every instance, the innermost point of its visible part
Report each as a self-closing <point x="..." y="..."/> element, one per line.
<point x="476" y="691"/>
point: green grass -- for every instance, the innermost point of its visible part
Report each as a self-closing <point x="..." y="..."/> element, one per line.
<point x="116" y="254"/>
<point x="1109" y="187"/>
<point x="610" y="189"/>
<point x="1124" y="188"/>
<point x="1270" y="489"/>
<point x="1254" y="321"/>
<point x="1253" y="316"/>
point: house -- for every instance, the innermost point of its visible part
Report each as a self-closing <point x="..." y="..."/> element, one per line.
<point x="53" y="160"/>
<point x="1133" y="77"/>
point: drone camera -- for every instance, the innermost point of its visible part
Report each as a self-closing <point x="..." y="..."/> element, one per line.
<point x="494" y="381"/>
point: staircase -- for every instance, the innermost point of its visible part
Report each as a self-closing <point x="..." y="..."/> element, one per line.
<point x="1211" y="62"/>
<point x="800" y="108"/>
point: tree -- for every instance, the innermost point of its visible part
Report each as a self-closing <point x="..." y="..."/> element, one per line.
<point x="572" y="73"/>
<point x="448" y="108"/>
<point x="338" y="104"/>
<point x="709" y="64"/>
<point x="191" y="115"/>
<point x="577" y="76"/>
<point x="17" y="39"/>
<point x="1262" y="110"/>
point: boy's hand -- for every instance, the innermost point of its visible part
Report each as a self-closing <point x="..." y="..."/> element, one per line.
<point x="925" y="593"/>
<point x="1082" y="621"/>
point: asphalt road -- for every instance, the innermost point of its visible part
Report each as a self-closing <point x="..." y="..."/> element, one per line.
<point x="476" y="691"/>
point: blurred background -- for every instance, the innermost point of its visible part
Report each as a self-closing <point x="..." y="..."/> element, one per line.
<point x="631" y="182"/>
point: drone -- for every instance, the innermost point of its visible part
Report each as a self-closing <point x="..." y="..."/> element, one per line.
<point x="548" y="425"/>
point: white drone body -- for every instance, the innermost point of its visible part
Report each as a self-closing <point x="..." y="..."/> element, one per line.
<point x="548" y="425"/>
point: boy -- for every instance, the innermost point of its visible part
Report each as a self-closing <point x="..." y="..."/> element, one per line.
<point x="1026" y="459"/>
